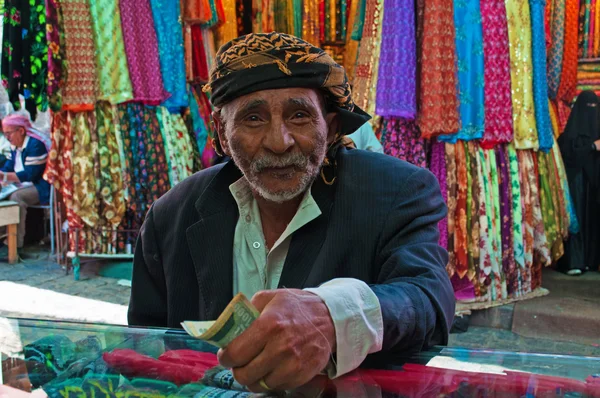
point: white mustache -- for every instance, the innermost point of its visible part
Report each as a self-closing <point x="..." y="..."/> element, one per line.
<point x="272" y="161"/>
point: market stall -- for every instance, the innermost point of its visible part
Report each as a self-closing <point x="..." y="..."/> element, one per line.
<point x="60" y="359"/>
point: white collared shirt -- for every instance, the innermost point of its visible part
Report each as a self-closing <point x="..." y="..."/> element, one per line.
<point x="19" y="167"/>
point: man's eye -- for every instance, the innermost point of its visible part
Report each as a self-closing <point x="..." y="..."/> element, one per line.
<point x="299" y="115"/>
<point x="253" y="118"/>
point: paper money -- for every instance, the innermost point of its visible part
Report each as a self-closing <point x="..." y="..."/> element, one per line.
<point x="237" y="317"/>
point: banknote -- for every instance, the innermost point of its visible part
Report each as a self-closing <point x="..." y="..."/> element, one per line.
<point x="237" y="317"/>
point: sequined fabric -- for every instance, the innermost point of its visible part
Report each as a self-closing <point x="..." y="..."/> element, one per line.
<point x="555" y="55"/>
<point x="498" y="102"/>
<point x="519" y="33"/>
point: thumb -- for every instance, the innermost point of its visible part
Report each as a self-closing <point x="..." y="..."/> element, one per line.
<point x="262" y="298"/>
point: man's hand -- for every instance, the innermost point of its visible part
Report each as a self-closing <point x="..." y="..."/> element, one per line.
<point x="289" y="344"/>
<point x="597" y="145"/>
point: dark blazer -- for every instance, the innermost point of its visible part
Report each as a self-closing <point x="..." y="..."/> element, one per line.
<point x="378" y="224"/>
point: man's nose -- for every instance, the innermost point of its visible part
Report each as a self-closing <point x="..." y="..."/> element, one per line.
<point x="279" y="139"/>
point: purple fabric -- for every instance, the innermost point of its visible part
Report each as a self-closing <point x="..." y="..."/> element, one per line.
<point x="396" y="89"/>
<point x="438" y="168"/>
<point x="402" y="140"/>
<point x="463" y="288"/>
<point x="504" y="186"/>
<point x="141" y="47"/>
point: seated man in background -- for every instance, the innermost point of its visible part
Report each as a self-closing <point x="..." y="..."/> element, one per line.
<point x="338" y="248"/>
<point x="24" y="167"/>
<point x="365" y="138"/>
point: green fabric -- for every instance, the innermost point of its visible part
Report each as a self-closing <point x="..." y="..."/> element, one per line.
<point x="255" y="268"/>
<point x="517" y="209"/>
<point x="111" y="62"/>
<point x="359" y="22"/>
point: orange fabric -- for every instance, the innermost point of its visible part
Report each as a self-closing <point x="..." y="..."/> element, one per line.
<point x="568" y="81"/>
<point x="461" y="231"/>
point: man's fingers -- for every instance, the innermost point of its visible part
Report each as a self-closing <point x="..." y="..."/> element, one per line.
<point x="286" y="375"/>
<point x="245" y="347"/>
<point x="258" y="368"/>
<point x="262" y="298"/>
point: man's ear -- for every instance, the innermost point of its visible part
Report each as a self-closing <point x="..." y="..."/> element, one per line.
<point x="333" y="126"/>
<point x="223" y="143"/>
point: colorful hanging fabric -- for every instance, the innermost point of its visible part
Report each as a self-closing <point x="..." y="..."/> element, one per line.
<point x="158" y="173"/>
<point x="437" y="75"/>
<point x="79" y="92"/>
<point x="541" y="244"/>
<point x="111" y="62"/>
<point x="351" y="48"/>
<point x="359" y="21"/>
<point x="84" y="179"/>
<point x="547" y="206"/>
<point x="568" y="81"/>
<point x="199" y="129"/>
<point x="517" y="209"/>
<point x="506" y="216"/>
<point x="368" y="55"/>
<point x="525" y="172"/>
<point x="562" y="175"/>
<point x="597" y="31"/>
<point x="498" y="104"/>
<point x="473" y="206"/>
<point x="490" y="186"/>
<point x="540" y="80"/>
<point x="199" y="64"/>
<point x="59" y="171"/>
<point x="559" y="198"/>
<point x="396" y="90"/>
<point x="519" y="33"/>
<point x="485" y="249"/>
<point x="460" y="223"/>
<point x="141" y="47"/>
<point x="438" y="168"/>
<point x="228" y="30"/>
<point x="177" y="146"/>
<point x="402" y="140"/>
<point x="195" y="11"/>
<point x="469" y="50"/>
<point x="25" y="54"/>
<point x="555" y="55"/>
<point x="56" y="51"/>
<point x="310" y="23"/>
<point x="452" y="183"/>
<point x="112" y="205"/>
<point x="169" y="33"/>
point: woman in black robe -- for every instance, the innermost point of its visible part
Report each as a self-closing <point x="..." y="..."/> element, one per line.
<point x="580" y="148"/>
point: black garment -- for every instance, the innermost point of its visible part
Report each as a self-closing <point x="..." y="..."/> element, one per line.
<point x="378" y="224"/>
<point x="582" y="164"/>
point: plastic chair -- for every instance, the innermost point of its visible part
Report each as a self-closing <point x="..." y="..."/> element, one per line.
<point x="50" y="208"/>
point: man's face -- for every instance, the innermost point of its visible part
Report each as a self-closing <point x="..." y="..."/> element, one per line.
<point x="278" y="139"/>
<point x="15" y="135"/>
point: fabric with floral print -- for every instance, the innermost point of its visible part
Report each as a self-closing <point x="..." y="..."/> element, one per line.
<point x="473" y="207"/>
<point x="403" y="141"/>
<point x="498" y="282"/>
<point x="547" y="205"/>
<point x="517" y="209"/>
<point x="506" y="216"/>
<point x="112" y="204"/>
<point x="460" y="223"/>
<point x="177" y="146"/>
<point x="452" y="196"/>
<point x="525" y="170"/>
<point x="469" y="50"/>
<point x="555" y="54"/>
<point x="541" y="244"/>
<point x="84" y="178"/>
<point x="560" y="167"/>
<point x="56" y="53"/>
<point x="485" y="243"/>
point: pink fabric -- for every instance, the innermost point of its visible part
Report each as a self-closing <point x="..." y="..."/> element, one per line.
<point x="141" y="47"/>
<point x="498" y="100"/>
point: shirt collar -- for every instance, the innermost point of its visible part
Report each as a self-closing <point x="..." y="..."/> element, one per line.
<point x="25" y="142"/>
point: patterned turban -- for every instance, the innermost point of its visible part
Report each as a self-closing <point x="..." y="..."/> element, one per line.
<point x="264" y="61"/>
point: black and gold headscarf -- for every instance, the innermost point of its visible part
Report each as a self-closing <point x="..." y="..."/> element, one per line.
<point x="264" y="61"/>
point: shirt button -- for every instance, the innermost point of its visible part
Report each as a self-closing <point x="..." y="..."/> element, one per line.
<point x="238" y="194"/>
<point x="248" y="218"/>
<point x="256" y="245"/>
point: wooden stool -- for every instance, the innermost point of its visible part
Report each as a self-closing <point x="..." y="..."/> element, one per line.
<point x="9" y="217"/>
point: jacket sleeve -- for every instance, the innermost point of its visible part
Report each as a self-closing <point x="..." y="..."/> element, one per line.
<point x="416" y="296"/>
<point x="9" y="166"/>
<point x="34" y="162"/>
<point x="148" y="303"/>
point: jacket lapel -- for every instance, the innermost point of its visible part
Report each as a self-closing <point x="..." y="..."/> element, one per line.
<point x="308" y="240"/>
<point x="210" y="242"/>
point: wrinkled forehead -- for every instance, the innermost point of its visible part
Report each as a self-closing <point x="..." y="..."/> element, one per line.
<point x="277" y="99"/>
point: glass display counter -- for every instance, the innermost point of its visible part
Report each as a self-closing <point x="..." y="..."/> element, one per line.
<point x="62" y="359"/>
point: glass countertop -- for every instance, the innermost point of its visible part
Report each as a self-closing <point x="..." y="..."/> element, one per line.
<point x="64" y="359"/>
